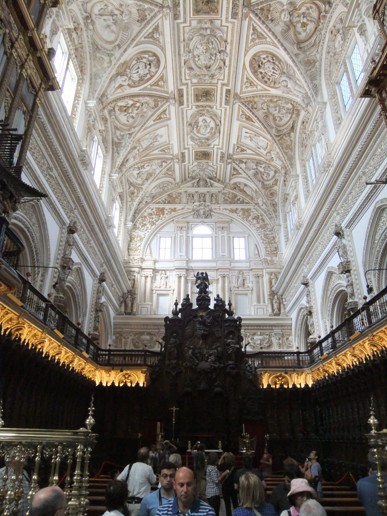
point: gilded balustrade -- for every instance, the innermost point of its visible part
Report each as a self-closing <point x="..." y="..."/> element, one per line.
<point x="64" y="453"/>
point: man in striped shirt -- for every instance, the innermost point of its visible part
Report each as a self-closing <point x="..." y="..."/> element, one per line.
<point x="186" y="500"/>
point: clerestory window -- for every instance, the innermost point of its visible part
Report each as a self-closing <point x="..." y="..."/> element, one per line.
<point x="96" y="157"/>
<point x="350" y="77"/>
<point x="202" y="240"/>
<point x="65" y="73"/>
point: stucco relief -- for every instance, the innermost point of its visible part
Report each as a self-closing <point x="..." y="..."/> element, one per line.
<point x="135" y="72"/>
<point x="303" y="21"/>
<point x="204" y="126"/>
<point x="245" y="191"/>
<point x="257" y="141"/>
<point x="144" y="146"/>
<point x="171" y="197"/>
<point x="267" y="68"/>
<point x="116" y="22"/>
<point x="272" y="72"/>
<point x="265" y="174"/>
<point x="132" y="112"/>
<point x="260" y="341"/>
<point x="205" y="7"/>
<point x="149" y="219"/>
<point x="205" y="53"/>
<point x="255" y="35"/>
<point x="262" y="226"/>
<point x="278" y="113"/>
<point x="143" y="172"/>
<point x="154" y="34"/>
<point x="202" y="173"/>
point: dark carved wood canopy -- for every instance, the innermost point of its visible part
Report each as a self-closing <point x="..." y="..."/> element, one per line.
<point x="204" y="372"/>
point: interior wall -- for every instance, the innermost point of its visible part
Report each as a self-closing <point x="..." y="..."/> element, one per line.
<point x="331" y="416"/>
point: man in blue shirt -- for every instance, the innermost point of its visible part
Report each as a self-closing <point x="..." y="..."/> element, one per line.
<point x="367" y="490"/>
<point x="152" y="501"/>
<point x="186" y="499"/>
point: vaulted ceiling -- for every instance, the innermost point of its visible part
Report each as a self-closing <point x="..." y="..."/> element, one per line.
<point x="201" y="106"/>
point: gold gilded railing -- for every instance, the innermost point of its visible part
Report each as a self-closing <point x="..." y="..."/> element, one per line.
<point x="64" y="453"/>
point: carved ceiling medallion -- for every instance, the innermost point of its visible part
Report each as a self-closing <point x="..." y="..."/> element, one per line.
<point x="267" y="69"/>
<point x="205" y="53"/>
<point x="107" y="19"/>
<point x="136" y="72"/>
<point x="113" y="22"/>
<point x="304" y="21"/>
<point x="204" y="126"/>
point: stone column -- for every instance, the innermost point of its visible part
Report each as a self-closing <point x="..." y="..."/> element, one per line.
<point x="227" y="293"/>
<point x="142" y="289"/>
<point x="148" y="294"/>
<point x="182" y="290"/>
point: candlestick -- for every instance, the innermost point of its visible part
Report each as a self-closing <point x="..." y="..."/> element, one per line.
<point x="158" y="427"/>
<point x="243" y="431"/>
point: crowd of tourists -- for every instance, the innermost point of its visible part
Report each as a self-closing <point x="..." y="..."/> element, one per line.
<point x="149" y="488"/>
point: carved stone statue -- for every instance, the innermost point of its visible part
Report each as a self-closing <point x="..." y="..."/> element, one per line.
<point x="163" y="279"/>
<point x="126" y="302"/>
<point x="341" y="245"/>
<point x="349" y="286"/>
<point x="276" y="305"/>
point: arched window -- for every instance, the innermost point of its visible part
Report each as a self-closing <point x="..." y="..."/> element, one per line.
<point x="202" y="241"/>
<point x="116" y="215"/>
<point x="96" y="157"/>
<point x="350" y="77"/>
<point x="65" y="73"/>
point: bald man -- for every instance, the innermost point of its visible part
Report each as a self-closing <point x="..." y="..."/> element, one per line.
<point x="48" y="501"/>
<point x="185" y="498"/>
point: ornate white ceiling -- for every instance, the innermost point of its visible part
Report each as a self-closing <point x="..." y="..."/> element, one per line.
<point x="201" y="106"/>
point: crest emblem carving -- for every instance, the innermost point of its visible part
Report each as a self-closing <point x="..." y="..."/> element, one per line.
<point x="205" y="54"/>
<point x="107" y="22"/>
<point x="136" y="72"/>
<point x="267" y="69"/>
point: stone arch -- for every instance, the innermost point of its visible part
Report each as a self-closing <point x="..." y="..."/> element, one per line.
<point x="334" y="298"/>
<point x="158" y="227"/>
<point x="105" y="327"/>
<point x="30" y="226"/>
<point x="375" y="248"/>
<point x="301" y="329"/>
<point x="76" y="296"/>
